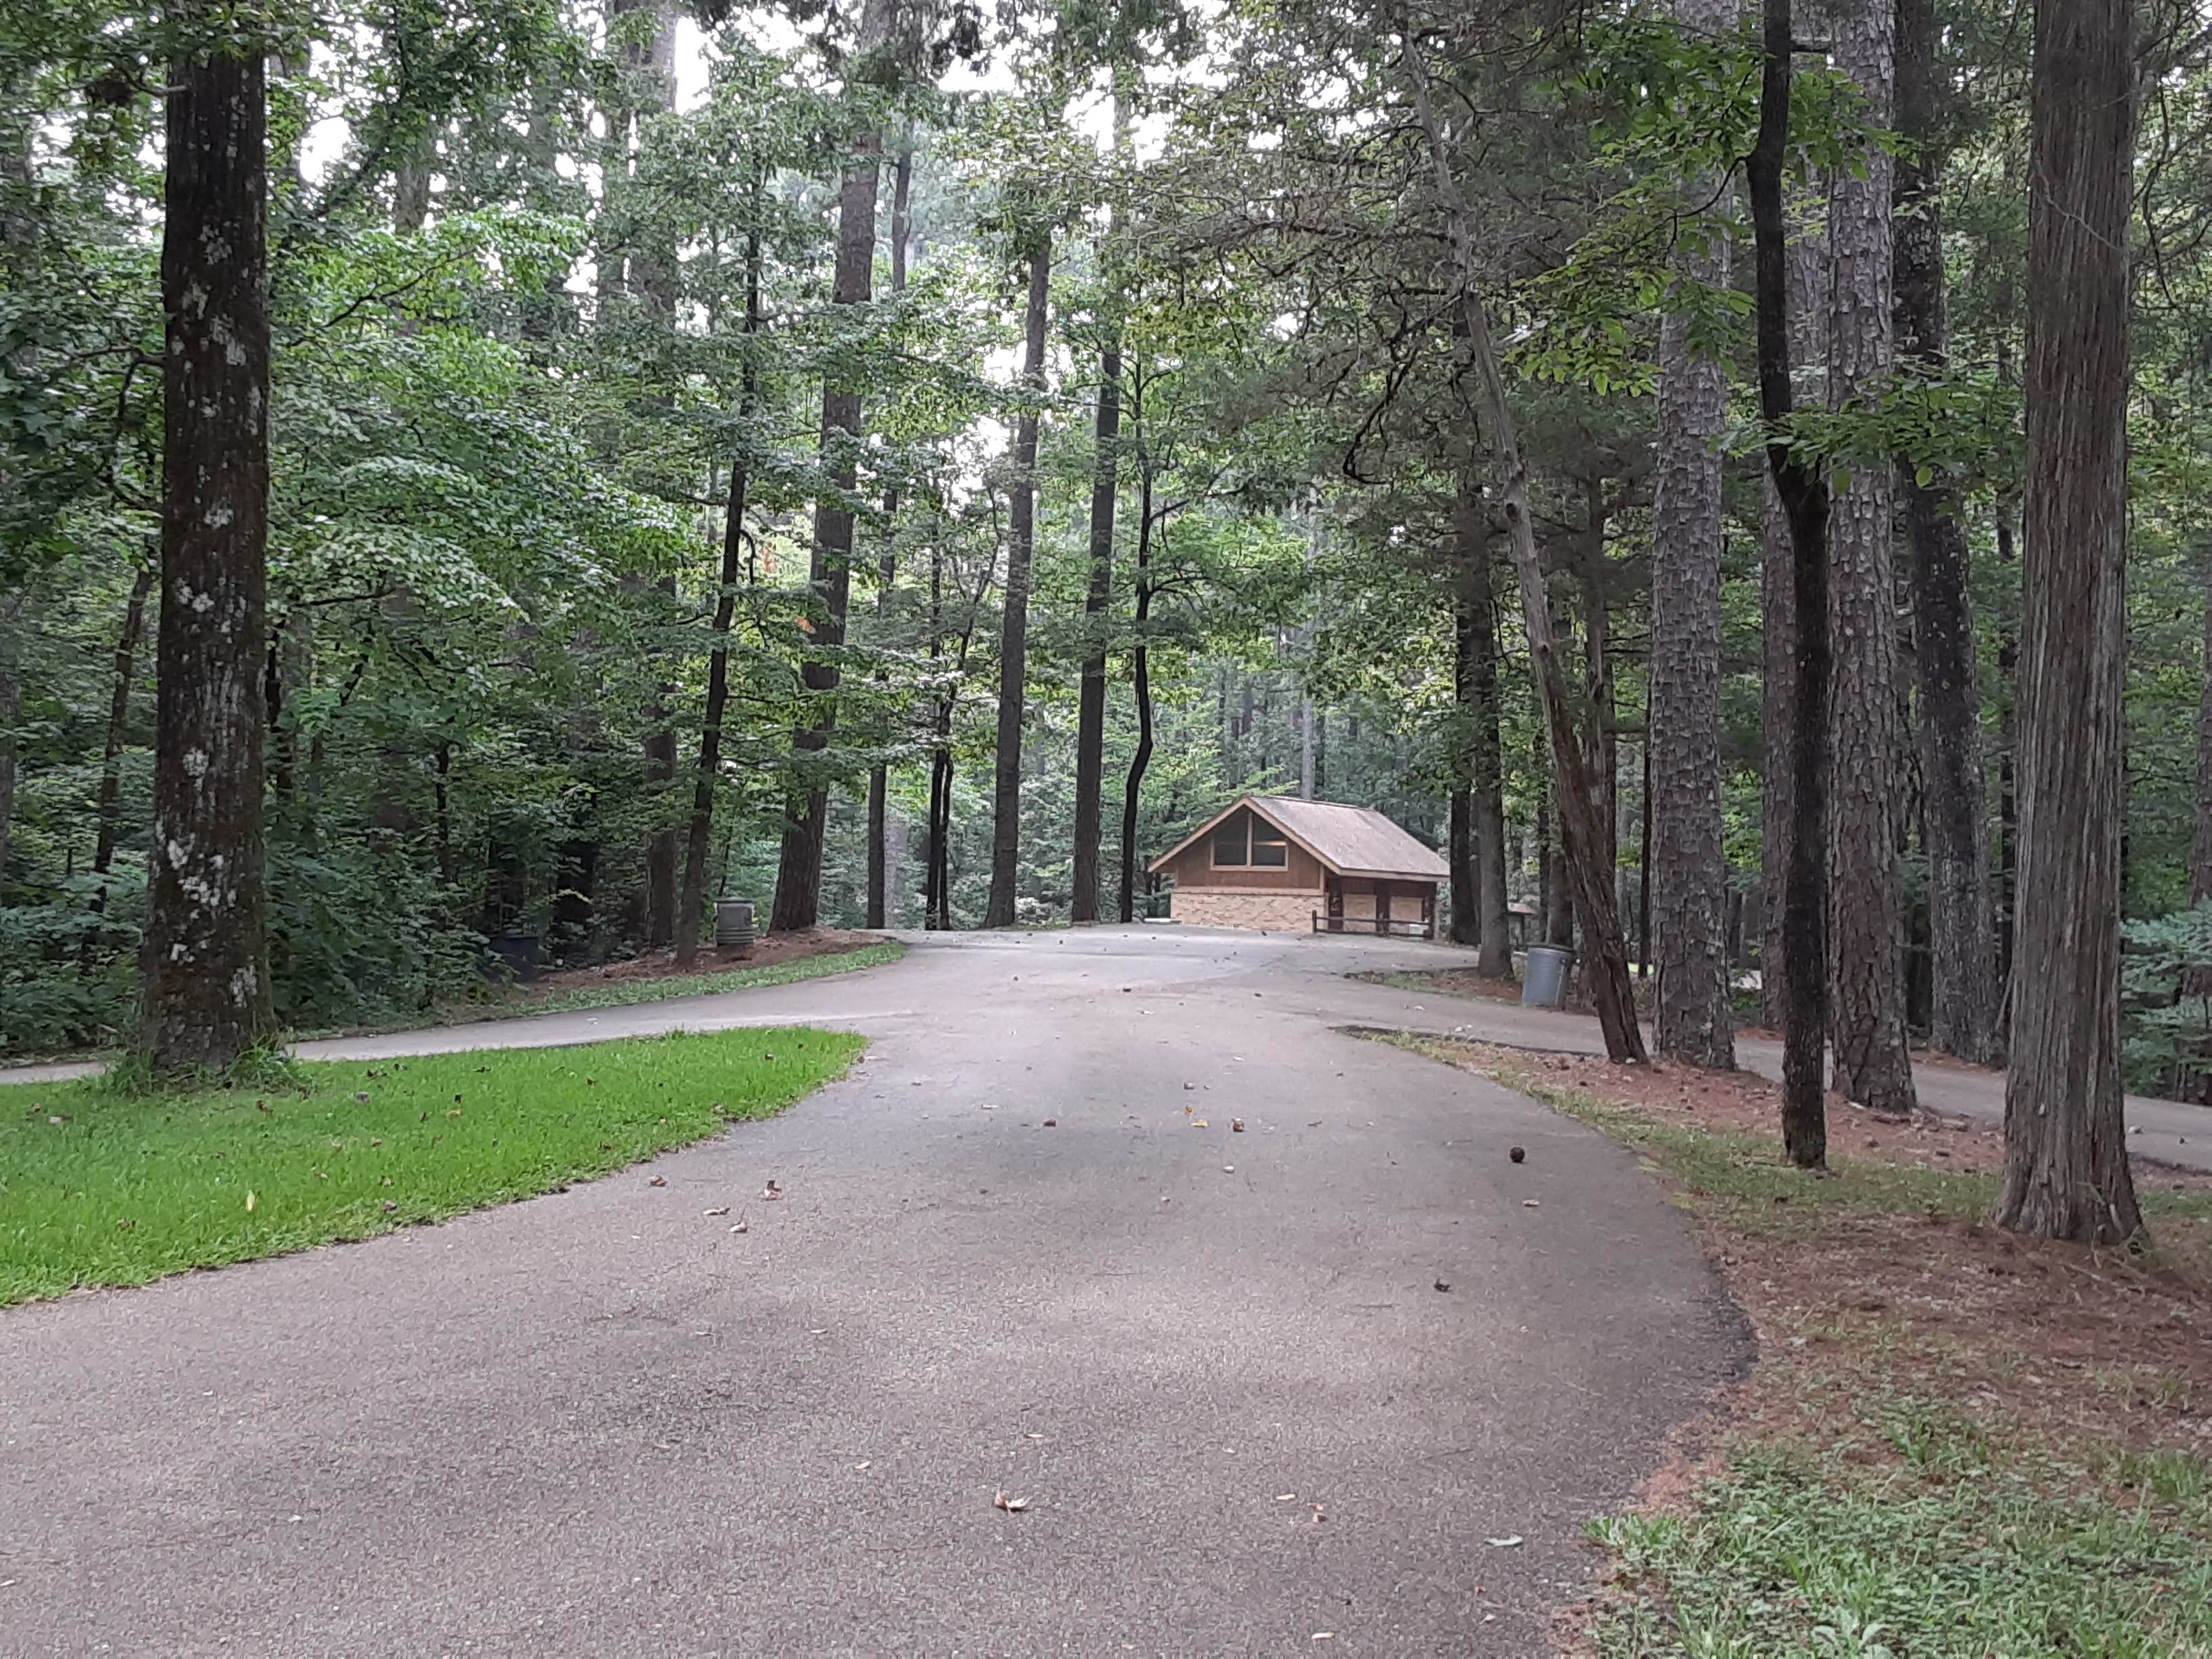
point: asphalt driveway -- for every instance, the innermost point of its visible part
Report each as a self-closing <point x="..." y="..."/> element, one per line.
<point x="1222" y="1368"/>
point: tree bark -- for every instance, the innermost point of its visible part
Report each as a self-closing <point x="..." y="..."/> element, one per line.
<point x="2200" y="848"/>
<point x="1804" y="496"/>
<point x="1961" y="921"/>
<point x="1684" y="843"/>
<point x="1133" y="788"/>
<point x="830" y="571"/>
<point x="118" y="725"/>
<point x="1098" y="595"/>
<point x="1584" y="832"/>
<point x="2066" y="1159"/>
<point x="1866" y="885"/>
<point x="204" y="997"/>
<point x="887" y="570"/>
<point x="1013" y="643"/>
<point x="691" y="898"/>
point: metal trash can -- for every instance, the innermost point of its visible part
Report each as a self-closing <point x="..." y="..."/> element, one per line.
<point x="733" y="924"/>
<point x="1544" y="985"/>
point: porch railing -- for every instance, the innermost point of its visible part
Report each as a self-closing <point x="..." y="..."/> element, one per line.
<point x="1382" y="926"/>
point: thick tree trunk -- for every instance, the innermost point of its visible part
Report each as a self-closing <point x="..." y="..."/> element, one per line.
<point x="1804" y="496"/>
<point x="887" y="570"/>
<point x="1583" y="831"/>
<point x="829" y="572"/>
<point x="2066" y="1157"/>
<point x="691" y="899"/>
<point x="1013" y="641"/>
<point x="1866" y="905"/>
<point x="1961" y="922"/>
<point x="1133" y="788"/>
<point x="1685" y="845"/>
<point x="1099" y="594"/>
<point x="204" y="998"/>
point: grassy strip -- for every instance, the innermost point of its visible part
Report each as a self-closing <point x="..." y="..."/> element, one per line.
<point x="623" y="994"/>
<point x="97" y="1187"/>
<point x="1884" y="1490"/>
<point x="508" y="1004"/>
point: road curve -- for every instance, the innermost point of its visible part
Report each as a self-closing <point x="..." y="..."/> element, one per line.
<point x="1223" y="1368"/>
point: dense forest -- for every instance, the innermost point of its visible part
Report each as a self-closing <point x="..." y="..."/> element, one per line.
<point x="480" y="481"/>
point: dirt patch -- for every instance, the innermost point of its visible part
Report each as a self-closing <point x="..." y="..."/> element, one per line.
<point x="769" y="951"/>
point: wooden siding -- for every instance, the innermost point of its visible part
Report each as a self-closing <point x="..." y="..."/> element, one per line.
<point x="1194" y="868"/>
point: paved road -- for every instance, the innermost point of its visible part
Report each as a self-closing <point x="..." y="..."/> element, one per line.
<point x="600" y="1423"/>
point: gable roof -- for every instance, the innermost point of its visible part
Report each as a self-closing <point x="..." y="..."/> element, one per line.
<point x="1349" y="841"/>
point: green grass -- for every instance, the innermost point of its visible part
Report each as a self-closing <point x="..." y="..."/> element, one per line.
<point x="1957" y="1552"/>
<point x="625" y="992"/>
<point x="121" y="1190"/>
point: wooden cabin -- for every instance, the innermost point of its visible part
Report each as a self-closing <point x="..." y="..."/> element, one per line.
<point x="1282" y="864"/>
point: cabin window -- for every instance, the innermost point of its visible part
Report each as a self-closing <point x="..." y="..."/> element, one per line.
<point x="1247" y="841"/>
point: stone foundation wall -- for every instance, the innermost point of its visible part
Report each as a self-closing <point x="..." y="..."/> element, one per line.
<point x="1270" y="912"/>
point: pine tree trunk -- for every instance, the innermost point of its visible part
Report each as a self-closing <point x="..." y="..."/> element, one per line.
<point x="1690" y="885"/>
<point x="1133" y="788"/>
<point x="1090" y="715"/>
<point x="204" y="997"/>
<point x="1961" y="921"/>
<point x="1866" y="888"/>
<point x="1013" y="642"/>
<point x="2066" y="1159"/>
<point x="878" y="776"/>
<point x="1470" y="585"/>
<point x="1804" y="497"/>
<point x="1806" y="302"/>
<point x="830" y="569"/>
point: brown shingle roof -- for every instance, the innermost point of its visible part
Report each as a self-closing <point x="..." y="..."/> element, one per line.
<point x="1352" y="840"/>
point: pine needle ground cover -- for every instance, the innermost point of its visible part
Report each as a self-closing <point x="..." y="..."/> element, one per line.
<point x="100" y="1187"/>
<point x="1956" y="1444"/>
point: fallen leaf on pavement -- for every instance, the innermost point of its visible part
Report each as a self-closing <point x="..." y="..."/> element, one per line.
<point x="1442" y="1286"/>
<point x="1531" y="1204"/>
<point x="657" y="1180"/>
<point x="1236" y="1126"/>
<point x="773" y="1191"/>
<point x="1510" y="1541"/>
<point x="1052" y="1123"/>
<point x="740" y="1227"/>
<point x="1197" y="1123"/>
<point x="1012" y="1505"/>
<point x="719" y="1209"/>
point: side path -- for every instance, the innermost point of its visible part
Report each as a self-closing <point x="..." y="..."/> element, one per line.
<point x="2164" y="1131"/>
